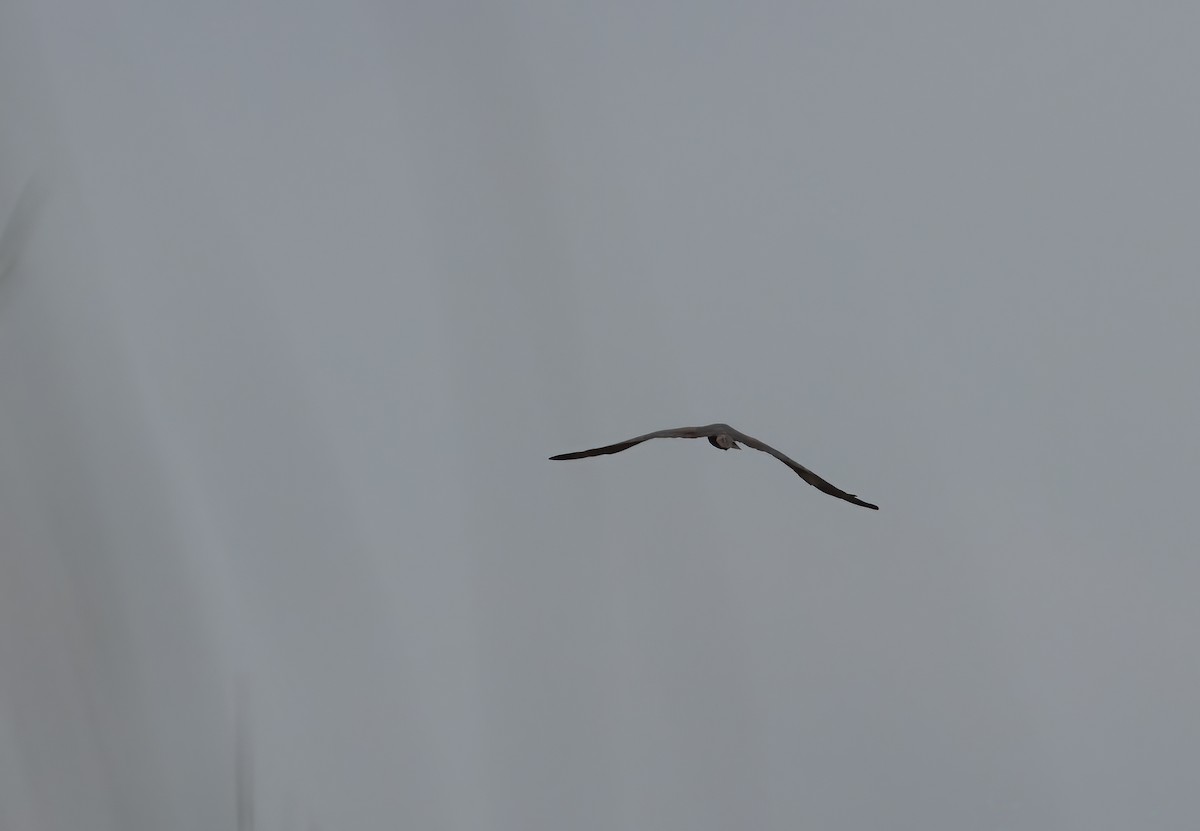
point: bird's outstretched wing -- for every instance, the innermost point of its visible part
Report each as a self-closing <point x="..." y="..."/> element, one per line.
<point x="676" y="433"/>
<point x="804" y="473"/>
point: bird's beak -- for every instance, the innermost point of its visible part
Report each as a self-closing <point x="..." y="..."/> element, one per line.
<point x="736" y="446"/>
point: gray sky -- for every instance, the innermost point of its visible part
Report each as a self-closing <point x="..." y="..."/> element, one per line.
<point x="306" y="294"/>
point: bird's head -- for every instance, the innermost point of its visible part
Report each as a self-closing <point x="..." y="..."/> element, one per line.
<point x="723" y="441"/>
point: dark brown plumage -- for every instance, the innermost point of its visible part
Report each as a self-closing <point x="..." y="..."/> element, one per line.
<point x="724" y="437"/>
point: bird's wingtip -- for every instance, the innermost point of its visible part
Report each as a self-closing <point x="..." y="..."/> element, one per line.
<point x="854" y="500"/>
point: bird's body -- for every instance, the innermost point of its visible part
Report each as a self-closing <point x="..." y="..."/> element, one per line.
<point x="723" y="437"/>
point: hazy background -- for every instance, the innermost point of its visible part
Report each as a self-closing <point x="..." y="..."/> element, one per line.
<point x="298" y="298"/>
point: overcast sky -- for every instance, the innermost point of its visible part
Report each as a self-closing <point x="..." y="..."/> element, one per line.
<point x="298" y="298"/>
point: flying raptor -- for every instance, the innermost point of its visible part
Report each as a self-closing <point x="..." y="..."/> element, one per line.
<point x="723" y="437"/>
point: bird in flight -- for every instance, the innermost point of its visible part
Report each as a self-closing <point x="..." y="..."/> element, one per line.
<point x="722" y="437"/>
